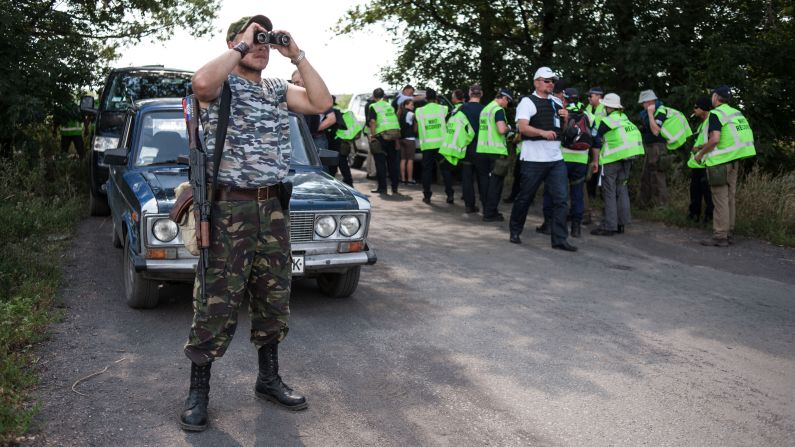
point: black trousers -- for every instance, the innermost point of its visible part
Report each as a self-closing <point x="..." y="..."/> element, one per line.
<point x="492" y="192"/>
<point x="468" y="179"/>
<point x="430" y="158"/>
<point x="483" y="164"/>
<point x="387" y="162"/>
<point x="700" y="190"/>
<point x="344" y="169"/>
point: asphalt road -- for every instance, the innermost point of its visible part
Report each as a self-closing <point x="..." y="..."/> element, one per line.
<point x="455" y="337"/>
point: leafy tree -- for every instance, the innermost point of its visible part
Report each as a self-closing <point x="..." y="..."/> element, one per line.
<point x="679" y="48"/>
<point x="54" y="49"/>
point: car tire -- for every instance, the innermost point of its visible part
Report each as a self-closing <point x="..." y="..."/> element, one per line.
<point x="139" y="292"/>
<point x="97" y="206"/>
<point x="116" y="239"/>
<point x="339" y="285"/>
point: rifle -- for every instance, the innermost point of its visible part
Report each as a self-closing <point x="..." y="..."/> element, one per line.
<point x="202" y="195"/>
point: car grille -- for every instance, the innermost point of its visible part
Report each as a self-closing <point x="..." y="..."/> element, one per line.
<point x="302" y="227"/>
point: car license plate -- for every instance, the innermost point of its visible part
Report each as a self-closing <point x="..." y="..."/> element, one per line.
<point x="298" y="264"/>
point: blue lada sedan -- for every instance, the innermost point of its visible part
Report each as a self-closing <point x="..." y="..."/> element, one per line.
<point x="328" y="219"/>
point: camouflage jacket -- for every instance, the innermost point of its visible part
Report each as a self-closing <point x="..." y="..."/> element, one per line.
<point x="257" y="148"/>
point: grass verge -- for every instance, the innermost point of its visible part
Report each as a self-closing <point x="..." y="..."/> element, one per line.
<point x="39" y="210"/>
<point x="765" y="205"/>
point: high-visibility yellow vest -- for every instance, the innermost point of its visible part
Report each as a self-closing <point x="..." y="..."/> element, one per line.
<point x="595" y="114"/>
<point x="385" y="117"/>
<point x="736" y="137"/>
<point x="72" y="128"/>
<point x="623" y="140"/>
<point x="490" y="140"/>
<point x="674" y="129"/>
<point x="572" y="156"/>
<point x="353" y="128"/>
<point x="430" y="125"/>
<point x="701" y="139"/>
<point x="458" y="136"/>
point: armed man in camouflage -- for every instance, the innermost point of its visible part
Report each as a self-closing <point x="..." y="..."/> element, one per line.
<point x="250" y="231"/>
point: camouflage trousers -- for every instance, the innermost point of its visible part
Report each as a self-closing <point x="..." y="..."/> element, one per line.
<point x="249" y="256"/>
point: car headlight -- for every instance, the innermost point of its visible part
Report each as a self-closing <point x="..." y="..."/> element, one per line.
<point x="165" y="230"/>
<point x="101" y="144"/>
<point x="325" y="226"/>
<point x="349" y="225"/>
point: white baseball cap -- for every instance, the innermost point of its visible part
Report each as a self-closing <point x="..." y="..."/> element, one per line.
<point x="546" y="73"/>
<point x="613" y="101"/>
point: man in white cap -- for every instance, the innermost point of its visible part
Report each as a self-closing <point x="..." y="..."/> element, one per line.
<point x="539" y="119"/>
<point x="621" y="141"/>
<point x="653" y="186"/>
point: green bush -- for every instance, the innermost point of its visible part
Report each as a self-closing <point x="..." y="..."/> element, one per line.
<point x="40" y="207"/>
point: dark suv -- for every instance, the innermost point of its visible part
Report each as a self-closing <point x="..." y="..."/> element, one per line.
<point x="123" y="87"/>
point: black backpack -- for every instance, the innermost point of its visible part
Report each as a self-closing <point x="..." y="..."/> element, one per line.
<point x="577" y="135"/>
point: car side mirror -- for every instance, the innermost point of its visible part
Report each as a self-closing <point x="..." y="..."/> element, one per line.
<point x="87" y="105"/>
<point x="329" y="157"/>
<point x="117" y="156"/>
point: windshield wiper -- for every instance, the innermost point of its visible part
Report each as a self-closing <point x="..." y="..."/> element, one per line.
<point x="168" y="162"/>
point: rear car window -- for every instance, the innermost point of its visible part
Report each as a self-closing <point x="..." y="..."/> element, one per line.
<point x="131" y="86"/>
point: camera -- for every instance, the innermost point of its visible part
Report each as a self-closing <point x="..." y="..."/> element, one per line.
<point x="272" y="38"/>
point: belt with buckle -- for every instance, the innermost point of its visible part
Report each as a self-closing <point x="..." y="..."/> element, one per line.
<point x="232" y="194"/>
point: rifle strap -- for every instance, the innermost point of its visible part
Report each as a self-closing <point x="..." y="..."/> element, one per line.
<point x="220" y="134"/>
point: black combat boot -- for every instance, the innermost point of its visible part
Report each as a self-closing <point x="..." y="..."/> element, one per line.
<point x="576" y="229"/>
<point x="194" y="417"/>
<point x="544" y="228"/>
<point x="269" y="384"/>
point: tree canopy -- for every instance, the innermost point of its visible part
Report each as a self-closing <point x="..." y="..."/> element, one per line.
<point x="679" y="48"/>
<point x="55" y="48"/>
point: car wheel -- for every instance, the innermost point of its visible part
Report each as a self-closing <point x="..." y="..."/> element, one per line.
<point x="97" y="206"/>
<point x="339" y="285"/>
<point x="139" y="292"/>
<point x="358" y="161"/>
<point x="116" y="239"/>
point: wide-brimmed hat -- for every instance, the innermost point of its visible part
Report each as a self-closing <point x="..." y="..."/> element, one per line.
<point x="613" y="101"/>
<point x="646" y="95"/>
<point x="243" y="23"/>
<point x="704" y="103"/>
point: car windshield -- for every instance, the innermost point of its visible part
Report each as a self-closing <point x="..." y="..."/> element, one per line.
<point x="164" y="139"/>
<point x="130" y="86"/>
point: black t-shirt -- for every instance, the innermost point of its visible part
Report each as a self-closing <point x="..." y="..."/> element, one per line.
<point x="369" y="113"/>
<point x="472" y="112"/>
<point x="714" y="123"/>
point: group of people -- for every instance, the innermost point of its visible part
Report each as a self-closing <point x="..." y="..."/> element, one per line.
<point x="563" y="144"/>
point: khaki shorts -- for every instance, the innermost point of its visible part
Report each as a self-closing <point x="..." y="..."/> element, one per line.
<point x="407" y="149"/>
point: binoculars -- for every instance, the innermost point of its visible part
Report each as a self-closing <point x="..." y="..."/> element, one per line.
<point x="272" y="38"/>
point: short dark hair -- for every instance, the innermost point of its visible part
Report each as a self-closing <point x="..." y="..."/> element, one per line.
<point x="458" y="94"/>
<point x="430" y="94"/>
<point x="378" y="93"/>
<point x="408" y="86"/>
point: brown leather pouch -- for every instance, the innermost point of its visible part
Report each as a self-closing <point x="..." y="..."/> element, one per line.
<point x="184" y="201"/>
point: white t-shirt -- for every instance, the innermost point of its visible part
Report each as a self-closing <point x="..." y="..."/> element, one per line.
<point x="536" y="150"/>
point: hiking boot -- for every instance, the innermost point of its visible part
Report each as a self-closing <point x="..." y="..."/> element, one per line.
<point x="620" y="229"/>
<point x="269" y="384"/>
<point x="576" y="229"/>
<point x="194" y="416"/>
<point x="544" y="228"/>
<point x="715" y="242"/>
<point x="602" y="232"/>
<point x="495" y="218"/>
